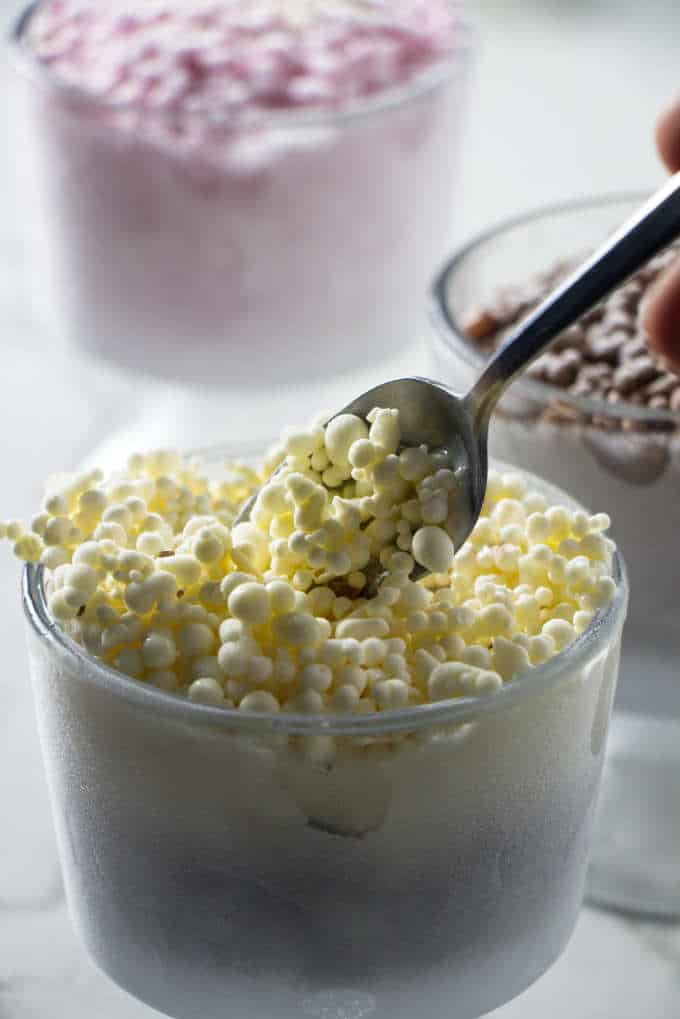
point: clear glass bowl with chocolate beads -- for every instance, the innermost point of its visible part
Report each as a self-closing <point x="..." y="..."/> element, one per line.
<point x="600" y="416"/>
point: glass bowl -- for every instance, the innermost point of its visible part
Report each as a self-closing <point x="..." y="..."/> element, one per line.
<point x="284" y="252"/>
<point x="623" y="458"/>
<point x="426" y="861"/>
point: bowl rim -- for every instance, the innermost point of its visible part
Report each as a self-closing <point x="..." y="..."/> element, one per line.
<point x="443" y="71"/>
<point x="605" y="627"/>
<point x="449" y="331"/>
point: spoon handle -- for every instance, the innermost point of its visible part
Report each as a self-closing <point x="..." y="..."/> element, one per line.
<point x="651" y="229"/>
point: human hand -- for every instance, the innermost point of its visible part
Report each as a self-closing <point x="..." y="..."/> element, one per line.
<point x="661" y="316"/>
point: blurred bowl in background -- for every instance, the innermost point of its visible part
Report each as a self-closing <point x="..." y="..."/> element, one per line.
<point x="271" y="250"/>
<point x="622" y="458"/>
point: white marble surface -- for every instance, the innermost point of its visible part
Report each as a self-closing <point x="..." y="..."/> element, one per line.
<point x="563" y="99"/>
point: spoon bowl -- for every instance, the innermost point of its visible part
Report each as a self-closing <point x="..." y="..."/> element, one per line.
<point x="430" y="414"/>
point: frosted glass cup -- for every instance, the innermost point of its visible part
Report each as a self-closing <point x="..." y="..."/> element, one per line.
<point x="292" y="249"/>
<point x="216" y="861"/>
<point x="623" y="458"/>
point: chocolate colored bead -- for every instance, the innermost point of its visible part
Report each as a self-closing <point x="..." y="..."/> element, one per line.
<point x="563" y="368"/>
<point x="620" y="303"/>
<point x="596" y="373"/>
<point x="582" y="387"/>
<point x="593" y="316"/>
<point x="662" y="386"/>
<point x="603" y="348"/>
<point x="572" y="338"/>
<point x="617" y="321"/>
<point x="634" y="374"/>
<point x="637" y="347"/>
<point x="480" y="324"/>
<point x="632" y="291"/>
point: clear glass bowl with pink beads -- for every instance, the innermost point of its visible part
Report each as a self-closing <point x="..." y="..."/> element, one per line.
<point x="210" y="246"/>
<point x="627" y="457"/>
<point x="433" y="862"/>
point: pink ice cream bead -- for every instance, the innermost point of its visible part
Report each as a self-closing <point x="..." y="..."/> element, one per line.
<point x="246" y="56"/>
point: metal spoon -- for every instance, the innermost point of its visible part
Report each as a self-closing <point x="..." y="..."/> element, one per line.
<point x="431" y="414"/>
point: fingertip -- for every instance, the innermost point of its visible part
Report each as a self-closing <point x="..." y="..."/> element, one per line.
<point x="660" y="316"/>
<point x="668" y="136"/>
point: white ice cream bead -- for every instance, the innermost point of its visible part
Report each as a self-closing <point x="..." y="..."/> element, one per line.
<point x="433" y="549"/>
<point x="206" y="691"/>
<point x="259" y="700"/>
<point x="250" y="603"/>
<point x="341" y="434"/>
